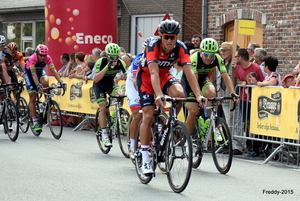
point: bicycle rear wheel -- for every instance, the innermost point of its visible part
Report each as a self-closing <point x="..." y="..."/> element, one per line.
<point x="144" y="179"/>
<point x="54" y="118"/>
<point x="11" y="119"/>
<point x="179" y="157"/>
<point x="222" y="149"/>
<point x="103" y="148"/>
<point x="123" y="135"/>
<point x="22" y="107"/>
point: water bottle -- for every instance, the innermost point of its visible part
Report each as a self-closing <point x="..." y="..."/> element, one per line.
<point x="41" y="107"/>
<point x="113" y="115"/>
<point x="201" y="126"/>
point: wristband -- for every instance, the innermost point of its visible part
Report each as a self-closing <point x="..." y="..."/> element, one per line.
<point x="234" y="95"/>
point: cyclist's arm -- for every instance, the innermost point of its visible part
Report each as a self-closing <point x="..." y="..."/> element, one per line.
<point x="55" y="73"/>
<point x="154" y="75"/>
<point x="5" y="74"/>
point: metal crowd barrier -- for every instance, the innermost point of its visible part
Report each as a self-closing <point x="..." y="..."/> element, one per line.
<point x="287" y="149"/>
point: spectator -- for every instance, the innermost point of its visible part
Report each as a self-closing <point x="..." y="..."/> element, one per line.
<point x="176" y="71"/>
<point x="297" y="82"/>
<point x="259" y="55"/>
<point x="80" y="65"/>
<point x="251" y="47"/>
<point x="96" y="52"/>
<point x="28" y="52"/>
<point x="296" y="70"/>
<point x="242" y="69"/>
<point x="196" y="39"/>
<point x="288" y="81"/>
<point x="272" y="79"/>
<point x="71" y="67"/>
<point x="65" y="62"/>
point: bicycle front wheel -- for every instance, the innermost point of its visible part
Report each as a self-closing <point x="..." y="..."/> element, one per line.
<point x="144" y="179"/>
<point x="103" y="148"/>
<point x="22" y="107"/>
<point x="179" y="157"/>
<point x="123" y="135"/>
<point x="222" y="146"/>
<point x="11" y="120"/>
<point x="54" y="118"/>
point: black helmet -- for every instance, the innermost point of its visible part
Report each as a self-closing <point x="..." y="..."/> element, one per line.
<point x="169" y="27"/>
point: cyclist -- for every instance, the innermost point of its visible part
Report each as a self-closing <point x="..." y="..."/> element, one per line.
<point x="133" y="96"/>
<point x="5" y="54"/>
<point x="17" y="58"/>
<point x="36" y="78"/>
<point x="106" y="70"/>
<point x="153" y="77"/>
<point x="204" y="64"/>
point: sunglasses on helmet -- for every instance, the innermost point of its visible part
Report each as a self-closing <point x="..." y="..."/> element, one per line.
<point x="167" y="36"/>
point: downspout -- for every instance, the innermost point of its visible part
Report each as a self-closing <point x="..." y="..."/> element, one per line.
<point x="204" y="19"/>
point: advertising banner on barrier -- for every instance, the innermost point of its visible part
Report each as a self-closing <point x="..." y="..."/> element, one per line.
<point x="275" y="112"/>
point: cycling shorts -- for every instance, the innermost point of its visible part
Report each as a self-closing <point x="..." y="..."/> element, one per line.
<point x="102" y="89"/>
<point x="145" y="89"/>
<point x="30" y="85"/>
<point x="190" y="94"/>
<point x="132" y="94"/>
<point x="13" y="76"/>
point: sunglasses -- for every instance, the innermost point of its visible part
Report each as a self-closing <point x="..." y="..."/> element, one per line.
<point x="208" y="54"/>
<point x="114" y="57"/>
<point x="167" y="37"/>
<point x="43" y="55"/>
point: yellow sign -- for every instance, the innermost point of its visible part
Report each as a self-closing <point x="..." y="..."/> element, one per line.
<point x="246" y="27"/>
<point x="275" y="112"/>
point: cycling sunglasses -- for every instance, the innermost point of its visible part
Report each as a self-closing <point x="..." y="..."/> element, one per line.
<point x="113" y="57"/>
<point x="167" y="36"/>
<point x="208" y="54"/>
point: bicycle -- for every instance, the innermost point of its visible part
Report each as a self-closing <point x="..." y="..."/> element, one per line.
<point x="117" y="123"/>
<point x="215" y="138"/>
<point x="169" y="148"/>
<point x="22" y="107"/>
<point x="9" y="114"/>
<point x="48" y="112"/>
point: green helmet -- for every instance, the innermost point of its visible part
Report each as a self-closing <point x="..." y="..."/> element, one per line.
<point x="112" y="49"/>
<point x="209" y="45"/>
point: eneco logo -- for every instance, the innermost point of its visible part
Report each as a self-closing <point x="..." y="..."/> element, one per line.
<point x="53" y="23"/>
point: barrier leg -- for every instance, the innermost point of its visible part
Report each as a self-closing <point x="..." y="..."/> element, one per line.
<point x="278" y="149"/>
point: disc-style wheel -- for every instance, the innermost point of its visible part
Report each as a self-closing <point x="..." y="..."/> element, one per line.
<point x="222" y="146"/>
<point x="122" y="134"/>
<point x="54" y="119"/>
<point x="179" y="157"/>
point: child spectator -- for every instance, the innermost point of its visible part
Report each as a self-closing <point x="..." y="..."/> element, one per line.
<point x="288" y="81"/>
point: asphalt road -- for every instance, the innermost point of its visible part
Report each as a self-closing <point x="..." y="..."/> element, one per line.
<point x="74" y="168"/>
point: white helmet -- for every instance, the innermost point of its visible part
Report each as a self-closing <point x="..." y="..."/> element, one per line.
<point x="147" y="41"/>
<point x="2" y="39"/>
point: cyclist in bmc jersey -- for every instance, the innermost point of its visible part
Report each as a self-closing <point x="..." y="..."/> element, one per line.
<point x="106" y="70"/>
<point x="36" y="78"/>
<point x="153" y="77"/>
<point x="204" y="64"/>
<point x="133" y="96"/>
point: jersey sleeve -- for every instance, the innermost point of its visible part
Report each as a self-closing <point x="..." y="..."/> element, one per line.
<point x="98" y="65"/>
<point x="49" y="62"/>
<point x="221" y="66"/>
<point x="151" y="53"/>
<point x="32" y="61"/>
<point x="124" y="67"/>
<point x="194" y="60"/>
<point x="184" y="57"/>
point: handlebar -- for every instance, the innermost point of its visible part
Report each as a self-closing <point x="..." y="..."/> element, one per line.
<point x="214" y="100"/>
<point x="48" y="89"/>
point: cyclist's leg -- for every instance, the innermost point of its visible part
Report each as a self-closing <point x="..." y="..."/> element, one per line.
<point x="13" y="79"/>
<point x="192" y="109"/>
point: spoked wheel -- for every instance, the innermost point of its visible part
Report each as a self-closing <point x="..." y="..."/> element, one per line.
<point x="144" y="179"/>
<point x="128" y="137"/>
<point x="103" y="148"/>
<point x="11" y="120"/>
<point x="197" y="149"/>
<point x="123" y="135"/>
<point x="31" y="126"/>
<point x="161" y="119"/>
<point x="22" y="107"/>
<point x="179" y="157"/>
<point x="54" y="119"/>
<point x="222" y="146"/>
